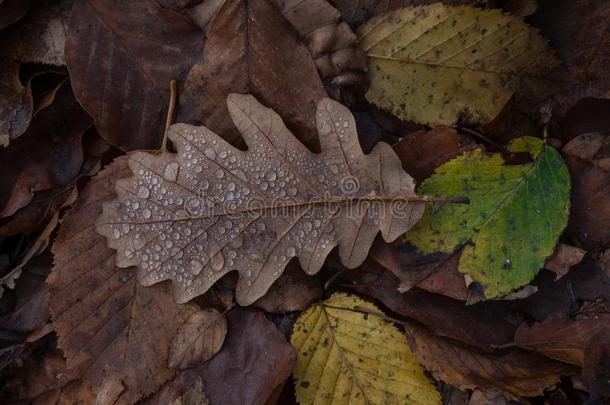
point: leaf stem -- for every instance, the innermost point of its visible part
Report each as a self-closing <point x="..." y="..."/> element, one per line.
<point x="173" y="92"/>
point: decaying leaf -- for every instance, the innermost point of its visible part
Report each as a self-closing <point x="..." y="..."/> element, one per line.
<point x="345" y="356"/>
<point x="517" y="372"/>
<point x="564" y="257"/>
<point x="143" y="47"/>
<point x="438" y="64"/>
<point x="251" y="48"/>
<point x="198" y="339"/>
<point x="254" y="362"/>
<point x="194" y="395"/>
<point x="15" y="102"/>
<point x="332" y="44"/>
<point x="194" y="216"/>
<point x="113" y="332"/>
<point x="515" y="215"/>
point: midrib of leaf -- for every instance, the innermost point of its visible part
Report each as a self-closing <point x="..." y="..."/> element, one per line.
<point x="508" y="198"/>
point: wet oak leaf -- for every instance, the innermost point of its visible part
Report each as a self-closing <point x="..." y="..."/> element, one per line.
<point x="198" y="339"/>
<point x="439" y="65"/>
<point x="515" y="216"/>
<point x="346" y="356"/>
<point x="115" y="333"/>
<point x="194" y="216"/>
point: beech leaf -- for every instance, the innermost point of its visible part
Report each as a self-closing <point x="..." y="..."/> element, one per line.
<point x="344" y="356"/>
<point x="438" y="64"/>
<point x="515" y="216"/>
<point x="194" y="216"/>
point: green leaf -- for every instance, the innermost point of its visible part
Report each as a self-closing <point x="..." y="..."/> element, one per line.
<point x="348" y="357"/>
<point x="515" y="215"/>
<point x="438" y="64"/>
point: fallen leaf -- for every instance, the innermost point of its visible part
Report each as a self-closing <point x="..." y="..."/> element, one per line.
<point x="517" y="372"/>
<point x="143" y="47"/>
<point x="49" y="153"/>
<point x="255" y="359"/>
<point x="482" y="325"/>
<point x="595" y="372"/>
<point x="578" y="31"/>
<point x="423" y="151"/>
<point x="202" y="12"/>
<point x="194" y="216"/>
<point x="590" y="212"/>
<point x="521" y="8"/>
<point x="514" y="218"/>
<point x="110" y="328"/>
<point x="564" y="257"/>
<point x="439" y="65"/>
<point x="251" y="48"/>
<point x="15" y="102"/>
<point x="342" y="65"/>
<point x="345" y="356"/>
<point x="293" y="291"/>
<point x="198" y="339"/>
<point x="193" y="396"/>
<point x="12" y="11"/>
<point x="563" y="339"/>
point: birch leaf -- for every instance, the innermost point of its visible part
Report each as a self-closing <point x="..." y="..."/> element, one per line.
<point x="347" y="357"/>
<point x="515" y="216"/>
<point x="194" y="216"/>
<point x="438" y="64"/>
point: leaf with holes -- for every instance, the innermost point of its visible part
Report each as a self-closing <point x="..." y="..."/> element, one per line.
<point x="344" y="356"/>
<point x="438" y="64"/>
<point x="194" y="216"/>
<point x="515" y="216"/>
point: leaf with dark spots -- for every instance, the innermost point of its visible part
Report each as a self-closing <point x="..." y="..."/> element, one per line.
<point x="113" y="332"/>
<point x="121" y="57"/>
<point x="251" y="48"/>
<point x="255" y="359"/>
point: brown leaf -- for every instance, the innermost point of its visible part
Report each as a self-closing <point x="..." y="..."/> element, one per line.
<point x="194" y="216"/>
<point x="15" y="102"/>
<point x="516" y="371"/>
<point x="293" y="291"/>
<point x="341" y="63"/>
<point x="564" y="257"/>
<point x="198" y="339"/>
<point x="251" y="48"/>
<point x="578" y="30"/>
<point x="49" y="153"/>
<point x="255" y="361"/>
<point x="202" y="12"/>
<point x="12" y="11"/>
<point x="563" y="339"/>
<point x="596" y="369"/>
<point x="422" y="152"/>
<point x="109" y="327"/>
<point x="143" y="47"/>
<point x="482" y="325"/>
<point x="193" y="396"/>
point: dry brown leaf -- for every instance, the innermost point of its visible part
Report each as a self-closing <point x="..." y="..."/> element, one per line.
<point x="193" y="396"/>
<point x="198" y="339"/>
<point x="194" y="216"/>
<point x="251" y="48"/>
<point x="341" y="63"/>
<point x="111" y="330"/>
<point x="564" y="257"/>
<point x="293" y="291"/>
<point x="517" y="372"/>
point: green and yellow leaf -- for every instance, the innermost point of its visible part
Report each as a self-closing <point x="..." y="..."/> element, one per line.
<point x="349" y="357"/>
<point x="438" y="64"/>
<point x="515" y="216"/>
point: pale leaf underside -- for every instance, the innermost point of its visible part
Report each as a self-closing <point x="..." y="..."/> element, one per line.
<point x="211" y="208"/>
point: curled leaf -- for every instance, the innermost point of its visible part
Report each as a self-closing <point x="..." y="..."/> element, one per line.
<point x="194" y="216"/>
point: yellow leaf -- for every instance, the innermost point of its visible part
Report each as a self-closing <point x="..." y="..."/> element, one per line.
<point x="348" y="357"/>
<point x="437" y="64"/>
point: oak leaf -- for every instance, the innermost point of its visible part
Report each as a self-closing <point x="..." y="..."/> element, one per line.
<point x="113" y="332"/>
<point x="194" y="216"/>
